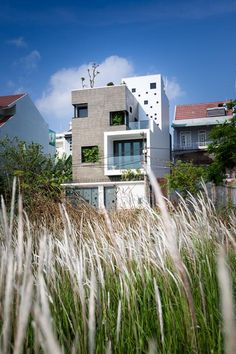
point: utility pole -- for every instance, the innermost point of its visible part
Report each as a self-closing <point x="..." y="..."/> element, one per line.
<point x="146" y="181"/>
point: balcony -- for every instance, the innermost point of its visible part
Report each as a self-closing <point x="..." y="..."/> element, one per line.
<point x="198" y="145"/>
<point x="142" y="124"/>
<point x="124" y="162"/>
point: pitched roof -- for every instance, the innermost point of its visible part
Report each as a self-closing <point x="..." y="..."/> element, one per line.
<point x="8" y="100"/>
<point x="198" y="110"/>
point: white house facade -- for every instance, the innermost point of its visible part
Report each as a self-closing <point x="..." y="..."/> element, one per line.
<point x="115" y="131"/>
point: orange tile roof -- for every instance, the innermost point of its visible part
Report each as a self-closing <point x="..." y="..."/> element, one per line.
<point x="7" y="100"/>
<point x="198" y="110"/>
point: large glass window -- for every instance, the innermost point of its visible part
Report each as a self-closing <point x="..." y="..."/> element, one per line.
<point x="128" y="153"/>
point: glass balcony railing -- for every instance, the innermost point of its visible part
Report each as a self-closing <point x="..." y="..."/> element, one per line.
<point x="142" y="124"/>
<point x="125" y="162"/>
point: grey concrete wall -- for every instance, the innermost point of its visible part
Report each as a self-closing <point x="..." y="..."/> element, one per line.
<point x="89" y="131"/>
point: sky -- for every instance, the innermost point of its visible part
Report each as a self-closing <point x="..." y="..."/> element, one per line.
<point x="47" y="46"/>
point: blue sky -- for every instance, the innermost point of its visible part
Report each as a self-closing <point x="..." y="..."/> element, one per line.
<point x="47" y="46"/>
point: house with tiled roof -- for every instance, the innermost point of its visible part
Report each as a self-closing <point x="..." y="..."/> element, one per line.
<point x="20" y="118"/>
<point x="192" y="125"/>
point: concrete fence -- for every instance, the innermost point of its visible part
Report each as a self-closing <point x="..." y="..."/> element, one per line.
<point x="222" y="195"/>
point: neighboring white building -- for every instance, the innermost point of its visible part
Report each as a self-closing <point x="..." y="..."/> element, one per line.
<point x="20" y="118"/>
<point x="115" y="129"/>
<point x="64" y="143"/>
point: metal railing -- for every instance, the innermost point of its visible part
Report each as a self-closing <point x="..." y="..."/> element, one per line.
<point x="198" y="145"/>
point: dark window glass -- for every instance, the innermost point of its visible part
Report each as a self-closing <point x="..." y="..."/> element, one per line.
<point x="145" y="102"/>
<point x="133" y="89"/>
<point x="130" y="109"/>
<point x="153" y="85"/>
<point x="82" y="110"/>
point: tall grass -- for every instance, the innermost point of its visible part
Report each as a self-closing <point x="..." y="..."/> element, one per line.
<point x="141" y="282"/>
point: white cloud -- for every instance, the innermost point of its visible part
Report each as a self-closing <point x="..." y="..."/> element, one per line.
<point x="55" y="103"/>
<point x="173" y="89"/>
<point x="30" y="61"/>
<point x="18" y="42"/>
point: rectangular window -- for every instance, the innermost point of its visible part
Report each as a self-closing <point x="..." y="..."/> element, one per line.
<point x="202" y="138"/>
<point x="153" y="85"/>
<point x="145" y="102"/>
<point x="128" y="154"/>
<point x="130" y="109"/>
<point x="185" y="140"/>
<point x="133" y="90"/>
<point x="81" y="110"/>
<point x="89" y="154"/>
<point x="117" y="118"/>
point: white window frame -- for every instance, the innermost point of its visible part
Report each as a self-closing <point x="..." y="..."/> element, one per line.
<point x="188" y="135"/>
<point x="200" y="133"/>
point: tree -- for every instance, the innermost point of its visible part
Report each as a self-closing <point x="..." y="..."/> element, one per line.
<point x="38" y="175"/>
<point x="223" y="148"/>
<point x="92" y="73"/>
<point x="186" y="177"/>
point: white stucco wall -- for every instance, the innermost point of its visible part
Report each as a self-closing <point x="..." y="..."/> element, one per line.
<point x="144" y="93"/>
<point x="62" y="145"/>
<point x="157" y="111"/>
<point x="28" y="125"/>
<point x="131" y="195"/>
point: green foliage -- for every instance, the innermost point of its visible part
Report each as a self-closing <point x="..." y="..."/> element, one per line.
<point x="110" y="83"/>
<point x="117" y="118"/>
<point x="223" y="149"/>
<point x="231" y="104"/>
<point x="38" y="174"/>
<point x="90" y="154"/>
<point x="132" y="175"/>
<point x="186" y="177"/>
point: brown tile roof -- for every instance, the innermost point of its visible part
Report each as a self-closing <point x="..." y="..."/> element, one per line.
<point x="7" y="100"/>
<point x="4" y="120"/>
<point x="198" y="110"/>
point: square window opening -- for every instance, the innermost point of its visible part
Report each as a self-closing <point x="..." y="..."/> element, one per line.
<point x="153" y="85"/>
<point x="117" y="118"/>
<point x="89" y="154"/>
<point x="81" y="110"/>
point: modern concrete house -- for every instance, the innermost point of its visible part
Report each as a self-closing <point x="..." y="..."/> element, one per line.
<point x="192" y="125"/>
<point x="114" y="132"/>
<point x="20" y="118"/>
